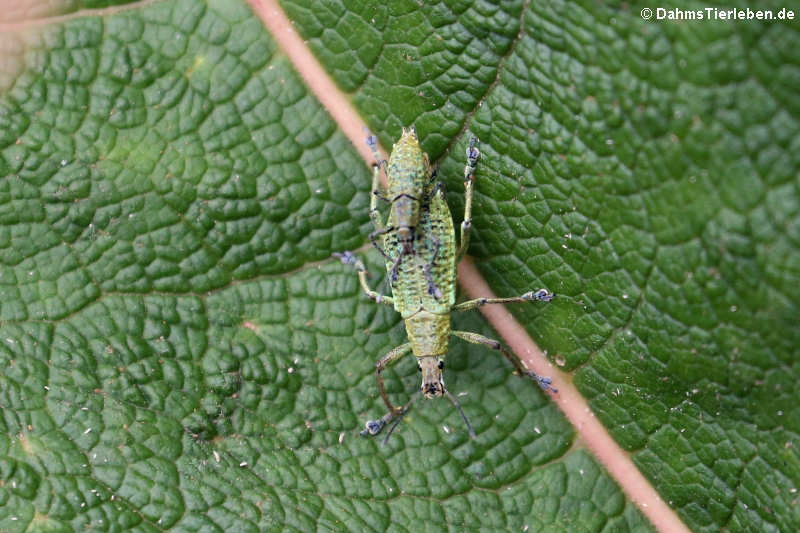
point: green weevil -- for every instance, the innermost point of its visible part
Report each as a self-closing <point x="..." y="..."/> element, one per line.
<point x="408" y="175"/>
<point x="427" y="315"/>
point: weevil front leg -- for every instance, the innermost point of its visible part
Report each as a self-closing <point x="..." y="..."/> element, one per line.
<point x="383" y="363"/>
<point x="373" y="427"/>
<point x="477" y="338"/>
<point x="542" y="295"/>
<point x="469" y="181"/>
<point x="349" y="258"/>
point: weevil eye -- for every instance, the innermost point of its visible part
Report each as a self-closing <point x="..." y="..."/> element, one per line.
<point x="441" y="365"/>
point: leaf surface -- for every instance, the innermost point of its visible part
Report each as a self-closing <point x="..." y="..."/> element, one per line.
<point x="182" y="353"/>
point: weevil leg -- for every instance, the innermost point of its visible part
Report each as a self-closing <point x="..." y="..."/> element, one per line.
<point x="373" y="238"/>
<point x="374" y="214"/>
<point x="477" y="338"/>
<point x="469" y="180"/>
<point x="373" y="427"/>
<point x="372" y="142"/>
<point x="349" y="258"/>
<point x="393" y="273"/>
<point x="542" y="295"/>
<point x="389" y="359"/>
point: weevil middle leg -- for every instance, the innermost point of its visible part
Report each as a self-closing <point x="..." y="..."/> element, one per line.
<point x="542" y="295"/>
<point x="349" y="258"/>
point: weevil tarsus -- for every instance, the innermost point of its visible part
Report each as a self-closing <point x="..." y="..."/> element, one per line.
<point x="372" y="143"/>
<point x="541" y="295"/>
<point x="373" y="427"/>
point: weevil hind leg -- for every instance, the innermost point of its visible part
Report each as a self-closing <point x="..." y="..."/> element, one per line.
<point x="477" y="338"/>
<point x="374" y="213"/>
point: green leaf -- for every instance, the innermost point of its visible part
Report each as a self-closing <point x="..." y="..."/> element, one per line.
<point x="181" y="353"/>
<point x="647" y="172"/>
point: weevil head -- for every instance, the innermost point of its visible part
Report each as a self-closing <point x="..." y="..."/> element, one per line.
<point x="432" y="383"/>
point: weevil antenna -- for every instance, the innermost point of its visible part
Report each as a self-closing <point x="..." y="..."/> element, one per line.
<point x="391" y="430"/>
<point x="461" y="411"/>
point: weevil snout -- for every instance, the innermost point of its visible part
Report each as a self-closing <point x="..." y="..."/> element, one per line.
<point x="432" y="384"/>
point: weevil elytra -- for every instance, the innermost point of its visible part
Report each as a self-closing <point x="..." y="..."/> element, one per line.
<point x="427" y="315"/>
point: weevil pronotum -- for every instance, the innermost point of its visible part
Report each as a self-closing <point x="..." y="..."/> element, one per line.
<point x="434" y="259"/>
